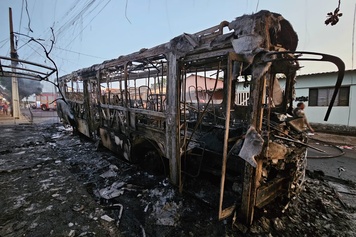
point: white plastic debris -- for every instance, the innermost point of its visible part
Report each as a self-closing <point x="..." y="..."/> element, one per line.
<point x="113" y="167"/>
<point x="113" y="191"/>
<point x="71" y="233"/>
<point x="111" y="172"/>
<point x="108" y="174"/>
<point x="146" y="208"/>
<point x="164" y="212"/>
<point x="107" y="218"/>
<point x="252" y="146"/>
<point x="167" y="215"/>
<point x="341" y="169"/>
<point x="58" y="135"/>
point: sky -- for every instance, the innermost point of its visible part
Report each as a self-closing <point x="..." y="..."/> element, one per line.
<point x="89" y="32"/>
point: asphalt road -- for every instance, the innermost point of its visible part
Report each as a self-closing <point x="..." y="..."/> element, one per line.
<point x="39" y="116"/>
<point x="343" y="166"/>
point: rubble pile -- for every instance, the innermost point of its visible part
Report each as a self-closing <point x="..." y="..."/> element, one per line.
<point x="39" y="196"/>
<point x="56" y="184"/>
<point x="317" y="211"/>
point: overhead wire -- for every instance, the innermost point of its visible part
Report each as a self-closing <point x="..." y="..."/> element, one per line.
<point x="28" y="15"/>
<point x="91" y="20"/>
<point x="5" y="42"/>
<point x="43" y="56"/>
<point x="74" y="16"/>
<point x="83" y="14"/>
<point x="54" y="11"/>
<point x="78" y="11"/>
<point x="127" y="1"/>
<point x="167" y="16"/>
<point x="258" y="3"/>
<point x="21" y="16"/>
<point x="27" y="41"/>
<point x="67" y="24"/>
<point x="81" y="54"/>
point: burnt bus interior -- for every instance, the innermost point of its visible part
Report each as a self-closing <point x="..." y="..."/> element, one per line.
<point x="175" y="108"/>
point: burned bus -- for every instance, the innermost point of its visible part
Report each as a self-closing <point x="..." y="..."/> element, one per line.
<point x="176" y="106"/>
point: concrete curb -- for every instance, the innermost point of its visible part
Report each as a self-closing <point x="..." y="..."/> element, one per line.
<point x="8" y="120"/>
<point x="335" y="139"/>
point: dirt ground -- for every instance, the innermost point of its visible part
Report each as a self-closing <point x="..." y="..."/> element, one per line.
<point x="53" y="183"/>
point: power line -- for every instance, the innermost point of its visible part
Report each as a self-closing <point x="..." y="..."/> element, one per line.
<point x="35" y="51"/>
<point x="46" y="32"/>
<point x="74" y="18"/>
<point x="91" y="20"/>
<point x="83" y="8"/>
<point x="126" y="11"/>
<point x="71" y="17"/>
<point x="28" y="15"/>
<point x="81" y="54"/>
<point x="258" y="3"/>
<point x="5" y="42"/>
<point x="23" y="44"/>
<point x="21" y="16"/>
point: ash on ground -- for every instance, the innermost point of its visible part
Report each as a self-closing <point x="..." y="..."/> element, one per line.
<point x="53" y="183"/>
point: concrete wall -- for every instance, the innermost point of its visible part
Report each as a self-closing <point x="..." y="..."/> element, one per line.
<point x="340" y="115"/>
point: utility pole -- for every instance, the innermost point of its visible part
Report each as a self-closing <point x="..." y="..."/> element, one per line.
<point x="15" y="103"/>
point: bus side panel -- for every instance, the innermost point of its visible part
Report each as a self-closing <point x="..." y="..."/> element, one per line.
<point x="83" y="127"/>
<point x="117" y="143"/>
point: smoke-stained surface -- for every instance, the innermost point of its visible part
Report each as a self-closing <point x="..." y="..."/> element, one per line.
<point x="26" y="87"/>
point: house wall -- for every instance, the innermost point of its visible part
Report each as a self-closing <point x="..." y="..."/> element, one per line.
<point x="340" y="115"/>
<point x="210" y="83"/>
<point x="200" y="81"/>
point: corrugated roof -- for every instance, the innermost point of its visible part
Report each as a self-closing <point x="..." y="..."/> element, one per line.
<point x="320" y="73"/>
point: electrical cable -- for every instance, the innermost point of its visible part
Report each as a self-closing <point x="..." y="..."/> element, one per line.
<point x="72" y="15"/>
<point x="28" y="15"/>
<point x="68" y="23"/>
<point x="90" y="22"/>
<point x="5" y="42"/>
<point x="21" y="16"/>
<point x="73" y="19"/>
<point x="80" y="54"/>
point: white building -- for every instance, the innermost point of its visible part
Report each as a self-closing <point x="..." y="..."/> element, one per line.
<point x="316" y="90"/>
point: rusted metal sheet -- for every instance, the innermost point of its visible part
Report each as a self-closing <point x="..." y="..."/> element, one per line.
<point x="268" y="192"/>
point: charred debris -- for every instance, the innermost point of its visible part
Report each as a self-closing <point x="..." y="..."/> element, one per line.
<point x="175" y="107"/>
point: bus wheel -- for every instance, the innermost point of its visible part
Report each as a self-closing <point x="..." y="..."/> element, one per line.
<point x="44" y="107"/>
<point x="153" y="162"/>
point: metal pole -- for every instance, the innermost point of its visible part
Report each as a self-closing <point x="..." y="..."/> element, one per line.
<point x="15" y="107"/>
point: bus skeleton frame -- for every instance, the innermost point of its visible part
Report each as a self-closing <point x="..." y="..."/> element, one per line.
<point x="144" y="101"/>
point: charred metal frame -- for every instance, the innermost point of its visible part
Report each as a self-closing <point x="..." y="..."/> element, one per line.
<point x="139" y="101"/>
<point x="29" y="70"/>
